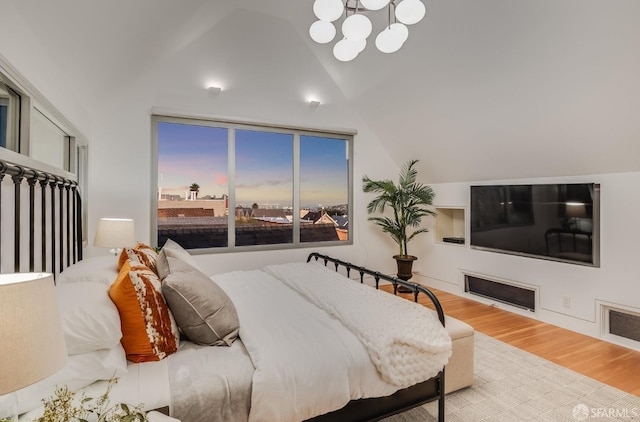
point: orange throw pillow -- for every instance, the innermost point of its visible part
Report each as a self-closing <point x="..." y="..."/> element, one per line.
<point x="149" y="332"/>
<point x="142" y="253"/>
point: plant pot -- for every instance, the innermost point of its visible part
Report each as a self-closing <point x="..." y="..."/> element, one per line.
<point x="405" y="265"/>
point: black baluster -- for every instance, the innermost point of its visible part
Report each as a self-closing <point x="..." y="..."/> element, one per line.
<point x="32" y="217"/>
<point x="79" y="226"/>
<point x="52" y="185"/>
<point x="3" y="169"/>
<point x="17" y="180"/>
<point x="43" y="221"/>
<point x="61" y="222"/>
<point x="68" y="215"/>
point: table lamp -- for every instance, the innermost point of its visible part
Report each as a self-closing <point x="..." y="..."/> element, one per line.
<point x="32" y="343"/>
<point x="115" y="233"/>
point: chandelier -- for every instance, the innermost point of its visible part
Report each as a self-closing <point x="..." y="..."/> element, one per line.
<point x="356" y="27"/>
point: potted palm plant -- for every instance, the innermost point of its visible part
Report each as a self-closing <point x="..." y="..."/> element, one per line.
<point x="409" y="201"/>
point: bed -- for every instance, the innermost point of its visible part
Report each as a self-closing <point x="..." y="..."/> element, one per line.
<point x="318" y="356"/>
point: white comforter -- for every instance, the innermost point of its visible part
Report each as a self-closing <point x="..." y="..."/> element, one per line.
<point x="405" y="340"/>
<point x="307" y="363"/>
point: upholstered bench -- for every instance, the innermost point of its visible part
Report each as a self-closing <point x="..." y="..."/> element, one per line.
<point x="459" y="370"/>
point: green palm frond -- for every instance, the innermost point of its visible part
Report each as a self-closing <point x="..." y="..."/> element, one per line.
<point x="408" y="199"/>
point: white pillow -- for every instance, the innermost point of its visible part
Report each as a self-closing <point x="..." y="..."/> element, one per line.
<point x="80" y="371"/>
<point x="101" y="269"/>
<point x="90" y="320"/>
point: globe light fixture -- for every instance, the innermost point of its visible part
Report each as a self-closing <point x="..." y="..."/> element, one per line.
<point x="328" y="10"/>
<point x="392" y="38"/>
<point x="410" y="11"/>
<point x="374" y="4"/>
<point x="322" y="32"/>
<point x="346" y="50"/>
<point x="356" y="26"/>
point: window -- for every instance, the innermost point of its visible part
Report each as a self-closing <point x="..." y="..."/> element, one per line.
<point x="33" y="132"/>
<point x="9" y="118"/>
<point x="49" y="143"/>
<point x="233" y="186"/>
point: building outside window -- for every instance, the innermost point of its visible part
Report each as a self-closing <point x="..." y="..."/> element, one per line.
<point x="233" y="186"/>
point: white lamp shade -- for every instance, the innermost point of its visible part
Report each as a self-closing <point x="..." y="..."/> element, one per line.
<point x="392" y="38"/>
<point x="346" y="50"/>
<point x="32" y="345"/>
<point x="374" y="4"/>
<point x="356" y="27"/>
<point x="328" y="10"/>
<point x="410" y="11"/>
<point x="322" y="32"/>
<point x="115" y="233"/>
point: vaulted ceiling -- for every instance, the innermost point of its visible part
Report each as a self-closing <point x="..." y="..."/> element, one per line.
<point x="491" y="89"/>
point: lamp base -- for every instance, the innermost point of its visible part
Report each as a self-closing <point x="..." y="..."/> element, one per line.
<point x="8" y="408"/>
<point x="116" y="252"/>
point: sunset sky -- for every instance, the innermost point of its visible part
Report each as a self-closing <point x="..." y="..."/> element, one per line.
<point x="264" y="165"/>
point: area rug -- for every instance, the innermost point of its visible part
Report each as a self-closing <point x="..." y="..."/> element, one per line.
<point x="512" y="385"/>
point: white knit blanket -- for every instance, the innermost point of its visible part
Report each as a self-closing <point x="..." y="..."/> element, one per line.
<point x="406" y="341"/>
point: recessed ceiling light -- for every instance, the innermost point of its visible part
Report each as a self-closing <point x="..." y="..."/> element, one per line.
<point x="313" y="104"/>
<point x="214" y="91"/>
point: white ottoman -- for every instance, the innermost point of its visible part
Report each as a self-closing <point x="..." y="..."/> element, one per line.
<point x="459" y="371"/>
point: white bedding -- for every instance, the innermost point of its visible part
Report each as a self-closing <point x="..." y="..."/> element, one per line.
<point x="307" y="363"/>
<point x="405" y="341"/>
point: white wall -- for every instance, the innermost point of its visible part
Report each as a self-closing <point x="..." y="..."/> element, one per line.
<point x="120" y="150"/>
<point x="441" y="265"/>
<point x="21" y="48"/>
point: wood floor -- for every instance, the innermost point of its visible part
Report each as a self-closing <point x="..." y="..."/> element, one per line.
<point x="608" y="363"/>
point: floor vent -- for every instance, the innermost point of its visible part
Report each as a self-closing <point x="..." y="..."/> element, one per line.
<point x="624" y="324"/>
<point x="502" y="292"/>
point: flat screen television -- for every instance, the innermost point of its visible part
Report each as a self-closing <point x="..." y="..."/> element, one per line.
<point x="558" y="222"/>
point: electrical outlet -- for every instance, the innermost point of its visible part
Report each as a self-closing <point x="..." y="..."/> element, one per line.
<point x="566" y="301"/>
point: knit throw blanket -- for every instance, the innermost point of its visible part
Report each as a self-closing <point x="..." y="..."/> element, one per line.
<point x="406" y="341"/>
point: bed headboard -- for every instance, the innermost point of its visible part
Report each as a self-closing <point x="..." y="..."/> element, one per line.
<point x="40" y="220"/>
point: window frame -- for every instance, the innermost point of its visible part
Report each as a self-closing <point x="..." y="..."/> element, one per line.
<point x="13" y="116"/>
<point x="32" y="101"/>
<point x="233" y="125"/>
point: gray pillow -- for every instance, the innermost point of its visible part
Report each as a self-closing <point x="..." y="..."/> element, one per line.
<point x="172" y="249"/>
<point x="203" y="311"/>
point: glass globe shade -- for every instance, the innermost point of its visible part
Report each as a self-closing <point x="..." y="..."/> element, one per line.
<point x="374" y="4"/>
<point x="389" y="40"/>
<point x="410" y="11"/>
<point x="399" y="31"/>
<point x="328" y="10"/>
<point x="345" y="50"/>
<point x="322" y="32"/>
<point x="356" y="27"/>
<point x="360" y="45"/>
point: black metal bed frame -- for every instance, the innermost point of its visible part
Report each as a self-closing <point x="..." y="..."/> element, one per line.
<point x="60" y="222"/>
<point x="373" y="409"/>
